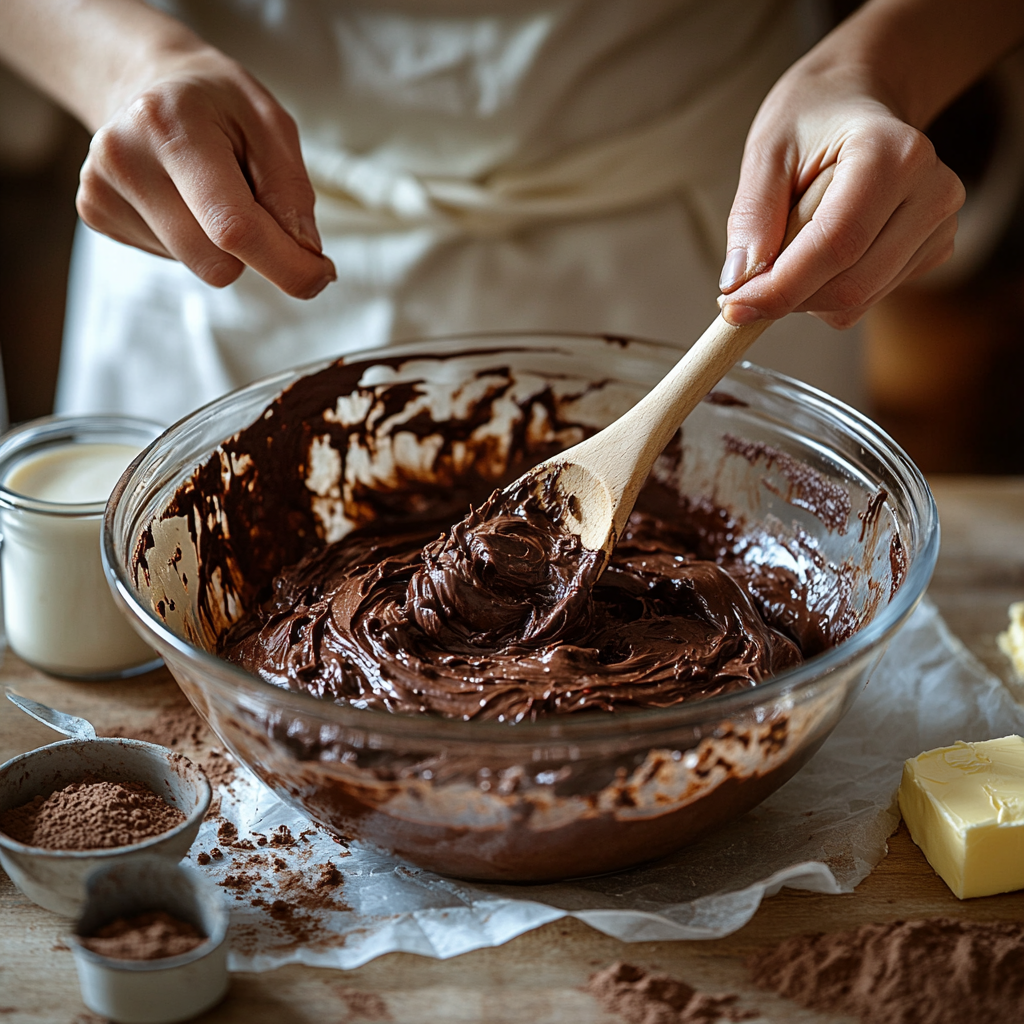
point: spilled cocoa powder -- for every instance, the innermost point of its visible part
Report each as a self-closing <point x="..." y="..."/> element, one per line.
<point x="642" y="997"/>
<point x="150" y="936"/>
<point x="90" y="815"/>
<point x="220" y="768"/>
<point x="176" y="726"/>
<point x="366" y="1005"/>
<point x="280" y="876"/>
<point x="313" y="886"/>
<point x="932" y="971"/>
<point x="180" y="727"/>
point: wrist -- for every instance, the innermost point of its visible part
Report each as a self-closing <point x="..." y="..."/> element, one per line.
<point x="144" y="58"/>
<point x="917" y="56"/>
<point x="851" y="65"/>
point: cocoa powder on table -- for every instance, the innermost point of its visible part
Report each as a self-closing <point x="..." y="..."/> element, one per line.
<point x="176" y="725"/>
<point x="934" y="971"/>
<point x="642" y="997"/>
<point x="150" y="936"/>
<point x="91" y="815"/>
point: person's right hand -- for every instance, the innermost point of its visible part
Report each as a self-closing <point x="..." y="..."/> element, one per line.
<point x="202" y="165"/>
<point x="888" y="216"/>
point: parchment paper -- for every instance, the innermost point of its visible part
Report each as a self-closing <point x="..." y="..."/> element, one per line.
<point x="823" y="831"/>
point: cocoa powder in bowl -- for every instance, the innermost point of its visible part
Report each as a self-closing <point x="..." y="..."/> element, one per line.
<point x="150" y="936"/>
<point x="91" y="815"/>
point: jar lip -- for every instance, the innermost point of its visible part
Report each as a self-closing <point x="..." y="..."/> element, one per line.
<point x="234" y="680"/>
<point x="52" y="431"/>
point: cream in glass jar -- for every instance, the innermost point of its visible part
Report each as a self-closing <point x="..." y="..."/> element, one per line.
<point x="55" y="477"/>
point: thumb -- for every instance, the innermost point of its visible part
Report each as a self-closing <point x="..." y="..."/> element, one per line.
<point x="287" y="195"/>
<point x="757" y="222"/>
<point x="279" y="180"/>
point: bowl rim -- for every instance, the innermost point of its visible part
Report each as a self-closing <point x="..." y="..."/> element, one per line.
<point x="559" y="728"/>
<point x="192" y="820"/>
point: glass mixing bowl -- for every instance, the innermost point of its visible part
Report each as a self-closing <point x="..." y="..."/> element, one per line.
<point x="563" y="796"/>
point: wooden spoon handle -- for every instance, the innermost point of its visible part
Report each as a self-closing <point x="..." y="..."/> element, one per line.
<point x="644" y="430"/>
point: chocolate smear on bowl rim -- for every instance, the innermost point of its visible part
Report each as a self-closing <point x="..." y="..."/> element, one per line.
<point x="806" y="487"/>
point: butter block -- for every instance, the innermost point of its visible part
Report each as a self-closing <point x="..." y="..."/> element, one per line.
<point x="964" y="807"/>
<point x="1012" y="641"/>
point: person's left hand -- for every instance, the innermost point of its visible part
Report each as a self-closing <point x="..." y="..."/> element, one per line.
<point x="201" y="164"/>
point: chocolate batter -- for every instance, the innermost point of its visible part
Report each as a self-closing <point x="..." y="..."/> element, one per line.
<point x="318" y="524"/>
<point x="507" y="616"/>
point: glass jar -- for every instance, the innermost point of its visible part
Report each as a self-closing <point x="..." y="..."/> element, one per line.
<point x="55" y="475"/>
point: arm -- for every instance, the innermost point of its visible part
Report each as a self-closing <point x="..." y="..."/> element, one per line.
<point x="858" y="100"/>
<point x="191" y="158"/>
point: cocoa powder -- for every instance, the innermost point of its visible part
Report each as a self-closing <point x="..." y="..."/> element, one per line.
<point x="149" y="936"/>
<point x="220" y="767"/>
<point x="177" y="726"/>
<point x="933" y="971"/>
<point x="367" y="1005"/>
<point x="91" y="815"/>
<point x="642" y="997"/>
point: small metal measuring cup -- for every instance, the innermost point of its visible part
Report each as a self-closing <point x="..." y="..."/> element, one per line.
<point x="55" y="879"/>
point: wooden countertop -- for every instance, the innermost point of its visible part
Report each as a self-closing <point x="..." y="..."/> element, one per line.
<point x="539" y="976"/>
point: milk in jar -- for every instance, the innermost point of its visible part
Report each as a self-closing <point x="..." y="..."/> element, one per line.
<point x="59" y="614"/>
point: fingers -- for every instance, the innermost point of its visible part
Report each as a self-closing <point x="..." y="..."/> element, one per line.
<point x="935" y="251"/>
<point x="882" y="268"/>
<point x="889" y="212"/>
<point x="129" y="196"/>
<point x="757" y="220"/>
<point x="279" y="180"/>
<point x="212" y="175"/>
<point x="211" y="185"/>
<point x="104" y="210"/>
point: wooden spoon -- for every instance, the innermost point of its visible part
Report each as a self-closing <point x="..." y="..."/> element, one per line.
<point x="591" y="488"/>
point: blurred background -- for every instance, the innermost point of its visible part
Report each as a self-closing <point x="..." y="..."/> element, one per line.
<point x="939" y="364"/>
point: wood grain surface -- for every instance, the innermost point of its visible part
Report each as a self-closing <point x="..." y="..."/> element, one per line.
<point x="540" y="977"/>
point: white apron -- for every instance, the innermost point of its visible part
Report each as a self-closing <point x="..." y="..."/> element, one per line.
<point x="479" y="165"/>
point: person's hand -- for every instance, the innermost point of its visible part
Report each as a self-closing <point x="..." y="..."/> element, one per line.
<point x="202" y="165"/>
<point x="888" y="215"/>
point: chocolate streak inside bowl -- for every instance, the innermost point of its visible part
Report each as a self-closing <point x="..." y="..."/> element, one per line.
<point x="393" y="443"/>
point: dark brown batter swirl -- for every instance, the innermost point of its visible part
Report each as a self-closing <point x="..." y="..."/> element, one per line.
<point x="504" y="577"/>
<point x="502" y="618"/>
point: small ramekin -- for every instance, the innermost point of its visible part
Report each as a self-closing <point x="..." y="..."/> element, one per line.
<point x="55" y="879"/>
<point x="162" y="991"/>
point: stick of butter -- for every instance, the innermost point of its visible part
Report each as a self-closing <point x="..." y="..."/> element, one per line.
<point x="964" y="806"/>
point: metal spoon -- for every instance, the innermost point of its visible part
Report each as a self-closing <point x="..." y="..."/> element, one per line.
<point x="69" y="725"/>
<point x="591" y="488"/>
